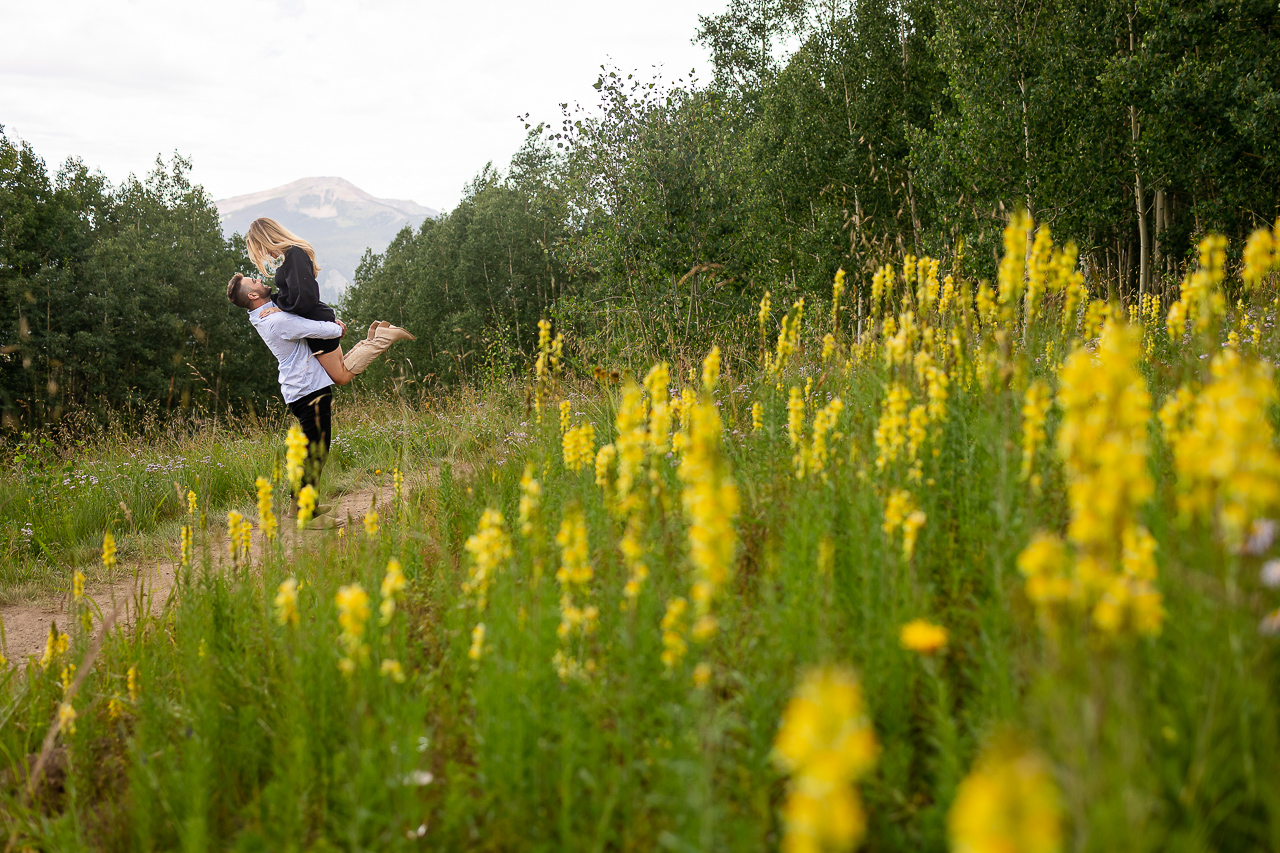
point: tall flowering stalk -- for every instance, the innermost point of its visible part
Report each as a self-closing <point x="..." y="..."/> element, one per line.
<point x="1008" y="802"/>
<point x="295" y="456"/>
<point x="530" y="518"/>
<point x="633" y="439"/>
<point x="392" y="585"/>
<point x="826" y="743"/>
<point x="577" y="617"/>
<point x="1103" y="444"/>
<point x="710" y="501"/>
<point x="656" y="384"/>
<point x="353" y="615"/>
<point x="266" y="518"/>
<point x="1224" y="448"/>
<point x="490" y="549"/>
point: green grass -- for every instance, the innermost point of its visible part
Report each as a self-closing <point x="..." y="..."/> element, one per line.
<point x="246" y="735"/>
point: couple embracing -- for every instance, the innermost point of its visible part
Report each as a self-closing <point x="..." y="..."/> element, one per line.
<point x="304" y="335"/>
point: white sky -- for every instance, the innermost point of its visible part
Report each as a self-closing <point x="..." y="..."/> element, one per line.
<point x="404" y="99"/>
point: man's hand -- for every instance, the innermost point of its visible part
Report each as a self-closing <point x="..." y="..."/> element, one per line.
<point x="267" y="312"/>
<point x="343" y="325"/>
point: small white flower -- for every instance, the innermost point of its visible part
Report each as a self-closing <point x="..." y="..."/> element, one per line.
<point x="1271" y="574"/>
<point x="1270" y="625"/>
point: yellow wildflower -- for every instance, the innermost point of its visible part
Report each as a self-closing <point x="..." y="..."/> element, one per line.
<point x="133" y="684"/>
<point x="353" y="613"/>
<point x="392" y="584"/>
<point x="108" y="550"/>
<point x="477" y="642"/>
<point x="1035" y="411"/>
<point x="711" y="370"/>
<point x="490" y="548"/>
<point x="67" y="718"/>
<point x="186" y="545"/>
<point x="757" y="416"/>
<point x="1008" y="802"/>
<point x="286" y="602"/>
<point x="295" y="455"/>
<point x="579" y="446"/>
<point x="392" y="669"/>
<point x="266" y="518"/>
<point x="826" y="743"/>
<point x="306" y="505"/>
<point x="566" y="415"/>
<point x="923" y="637"/>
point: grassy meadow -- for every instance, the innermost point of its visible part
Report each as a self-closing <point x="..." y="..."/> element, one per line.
<point x="955" y="565"/>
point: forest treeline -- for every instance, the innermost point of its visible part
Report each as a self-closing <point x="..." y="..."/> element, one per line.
<point x="846" y="134"/>
<point x="113" y="299"/>
<point x="831" y="134"/>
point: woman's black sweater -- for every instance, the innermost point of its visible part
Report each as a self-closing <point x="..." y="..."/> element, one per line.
<point x="297" y="290"/>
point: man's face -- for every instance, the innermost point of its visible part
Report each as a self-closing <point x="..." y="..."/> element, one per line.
<point x="255" y="289"/>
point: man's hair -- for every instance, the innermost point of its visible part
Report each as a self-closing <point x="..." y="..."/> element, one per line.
<point x="236" y="291"/>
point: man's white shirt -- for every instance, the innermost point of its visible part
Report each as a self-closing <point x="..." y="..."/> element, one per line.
<point x="285" y="335"/>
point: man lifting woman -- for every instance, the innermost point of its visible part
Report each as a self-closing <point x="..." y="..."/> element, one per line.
<point x="303" y="334"/>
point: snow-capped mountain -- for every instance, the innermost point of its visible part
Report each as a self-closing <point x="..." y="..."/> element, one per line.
<point x="338" y="218"/>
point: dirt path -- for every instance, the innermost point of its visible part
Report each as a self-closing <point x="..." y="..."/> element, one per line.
<point x="26" y="626"/>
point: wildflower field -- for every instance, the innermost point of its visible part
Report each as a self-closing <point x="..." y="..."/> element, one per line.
<point x="952" y="565"/>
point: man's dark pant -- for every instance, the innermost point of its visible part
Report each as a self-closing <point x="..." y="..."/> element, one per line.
<point x="315" y="413"/>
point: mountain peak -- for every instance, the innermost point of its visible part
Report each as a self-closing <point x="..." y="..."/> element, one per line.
<point x="334" y="215"/>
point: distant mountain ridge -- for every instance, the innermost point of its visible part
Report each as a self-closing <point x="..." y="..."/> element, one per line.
<point x="338" y="218"/>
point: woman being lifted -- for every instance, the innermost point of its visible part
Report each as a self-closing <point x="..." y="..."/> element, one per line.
<point x="277" y="251"/>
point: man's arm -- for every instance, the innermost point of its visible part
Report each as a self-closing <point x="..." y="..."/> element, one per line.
<point x="291" y="327"/>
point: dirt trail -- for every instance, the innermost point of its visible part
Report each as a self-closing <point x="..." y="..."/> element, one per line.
<point x="26" y="626"/>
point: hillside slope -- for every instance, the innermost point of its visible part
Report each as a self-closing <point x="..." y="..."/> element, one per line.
<point x="337" y="217"/>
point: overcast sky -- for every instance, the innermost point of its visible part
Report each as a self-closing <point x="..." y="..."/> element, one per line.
<point x="404" y="99"/>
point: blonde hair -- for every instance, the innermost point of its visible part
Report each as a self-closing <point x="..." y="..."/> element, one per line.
<point x="267" y="238"/>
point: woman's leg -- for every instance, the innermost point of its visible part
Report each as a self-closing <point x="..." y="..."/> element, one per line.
<point x="332" y="364"/>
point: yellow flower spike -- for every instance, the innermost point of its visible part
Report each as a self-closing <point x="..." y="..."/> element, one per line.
<point x="923" y="637"/>
<point x="826" y="743"/>
<point x="371" y="523"/>
<point x="710" y="501"/>
<point x="108" y="550"/>
<point x="77" y="586"/>
<point x="392" y="669"/>
<point x="828" y="347"/>
<point x="579" y="446"/>
<point x="477" y="642"/>
<point x="266" y="517"/>
<point x="1035" y="411"/>
<point x="657" y="384"/>
<point x="286" y="602"/>
<point x="1260" y="256"/>
<point x="837" y="289"/>
<point x="306" y="505"/>
<point x="702" y="675"/>
<point x="133" y="684"/>
<point x="1007" y="802"/>
<point x="633" y="438"/>
<point x="186" y="545"/>
<point x="295" y="455"/>
<point x="824" y="422"/>
<point x="566" y="415"/>
<point x="711" y="370"/>
<point x="393" y="583"/>
<point x="353" y="614"/>
<point x="490" y="549"/>
<point x="66" y="718"/>
<point x="191" y="503"/>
